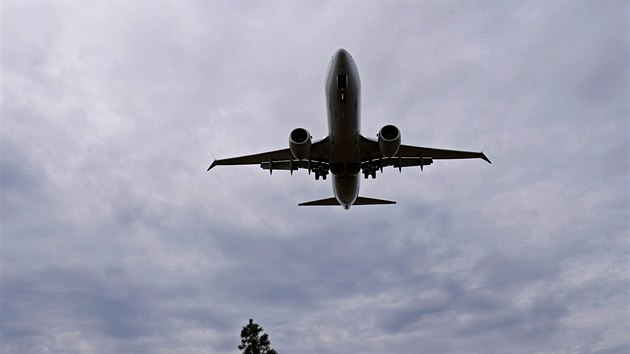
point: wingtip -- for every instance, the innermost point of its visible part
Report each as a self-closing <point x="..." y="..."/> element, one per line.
<point x="485" y="158"/>
<point x="214" y="162"/>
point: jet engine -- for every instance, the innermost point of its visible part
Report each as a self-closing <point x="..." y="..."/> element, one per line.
<point x="389" y="140"/>
<point x="300" y="143"/>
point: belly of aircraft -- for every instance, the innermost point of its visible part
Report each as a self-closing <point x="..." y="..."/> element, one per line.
<point x="345" y="156"/>
<point x="346" y="189"/>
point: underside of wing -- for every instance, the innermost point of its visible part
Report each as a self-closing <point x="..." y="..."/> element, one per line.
<point x="277" y="155"/>
<point x="370" y="151"/>
<point x="281" y="159"/>
<point x="372" y="159"/>
<point x="436" y="154"/>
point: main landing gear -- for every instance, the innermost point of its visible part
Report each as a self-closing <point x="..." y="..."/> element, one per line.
<point x="367" y="174"/>
<point x="320" y="174"/>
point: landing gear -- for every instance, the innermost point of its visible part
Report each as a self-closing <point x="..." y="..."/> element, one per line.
<point x="320" y="174"/>
<point x="367" y="174"/>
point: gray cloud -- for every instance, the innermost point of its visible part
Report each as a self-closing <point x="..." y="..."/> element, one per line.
<point x="115" y="239"/>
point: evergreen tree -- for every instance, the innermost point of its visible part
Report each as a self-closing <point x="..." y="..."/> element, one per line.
<point x="254" y="343"/>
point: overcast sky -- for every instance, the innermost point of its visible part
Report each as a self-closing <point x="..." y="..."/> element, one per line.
<point x="115" y="239"/>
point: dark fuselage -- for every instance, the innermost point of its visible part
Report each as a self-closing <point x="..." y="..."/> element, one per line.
<point x="343" y="100"/>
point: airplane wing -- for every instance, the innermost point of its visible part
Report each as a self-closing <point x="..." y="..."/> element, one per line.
<point x="278" y="155"/>
<point x="408" y="155"/>
<point x="436" y="154"/>
<point x="279" y="159"/>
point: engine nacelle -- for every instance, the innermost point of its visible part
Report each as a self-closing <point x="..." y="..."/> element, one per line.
<point x="300" y="143"/>
<point x="389" y="140"/>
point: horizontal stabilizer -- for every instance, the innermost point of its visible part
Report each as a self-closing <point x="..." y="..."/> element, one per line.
<point x="372" y="201"/>
<point x="327" y="201"/>
<point x="359" y="201"/>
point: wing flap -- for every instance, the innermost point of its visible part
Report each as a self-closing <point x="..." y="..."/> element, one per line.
<point x="294" y="165"/>
<point x="407" y="161"/>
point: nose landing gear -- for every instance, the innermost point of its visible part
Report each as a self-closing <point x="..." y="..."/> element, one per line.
<point x="367" y="174"/>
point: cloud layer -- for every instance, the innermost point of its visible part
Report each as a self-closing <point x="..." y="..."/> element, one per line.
<point x="114" y="239"/>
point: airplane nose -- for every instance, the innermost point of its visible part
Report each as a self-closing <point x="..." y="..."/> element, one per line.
<point x="342" y="57"/>
<point x="341" y="51"/>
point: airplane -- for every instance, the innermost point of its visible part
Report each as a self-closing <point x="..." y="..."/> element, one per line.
<point x="345" y="152"/>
